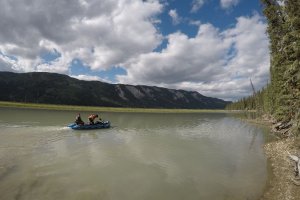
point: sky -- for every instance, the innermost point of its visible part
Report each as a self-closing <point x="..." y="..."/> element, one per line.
<point x="213" y="47"/>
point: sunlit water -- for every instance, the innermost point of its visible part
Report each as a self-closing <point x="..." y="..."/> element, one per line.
<point x="143" y="156"/>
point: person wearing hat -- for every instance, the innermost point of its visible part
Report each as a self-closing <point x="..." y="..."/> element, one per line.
<point x="92" y="118"/>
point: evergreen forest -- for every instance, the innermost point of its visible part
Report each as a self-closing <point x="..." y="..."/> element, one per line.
<point x="281" y="97"/>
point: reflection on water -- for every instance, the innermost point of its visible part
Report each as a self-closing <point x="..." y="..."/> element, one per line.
<point x="143" y="156"/>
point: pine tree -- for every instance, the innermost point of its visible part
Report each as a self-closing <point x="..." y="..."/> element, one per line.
<point x="292" y="56"/>
<point x="281" y="97"/>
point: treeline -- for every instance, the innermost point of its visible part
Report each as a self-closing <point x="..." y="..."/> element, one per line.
<point x="281" y="97"/>
<point x="253" y="102"/>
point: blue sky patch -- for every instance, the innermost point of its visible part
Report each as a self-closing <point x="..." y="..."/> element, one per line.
<point x="77" y="67"/>
<point x="50" y="56"/>
<point x="14" y="58"/>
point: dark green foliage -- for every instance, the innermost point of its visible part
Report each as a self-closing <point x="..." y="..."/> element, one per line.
<point x="52" y="88"/>
<point x="281" y="98"/>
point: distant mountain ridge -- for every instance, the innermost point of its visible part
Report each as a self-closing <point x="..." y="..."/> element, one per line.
<point x="52" y="88"/>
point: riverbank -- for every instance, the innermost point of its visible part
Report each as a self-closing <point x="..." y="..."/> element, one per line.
<point x="102" y="109"/>
<point x="282" y="184"/>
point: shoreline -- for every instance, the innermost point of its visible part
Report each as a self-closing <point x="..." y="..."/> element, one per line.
<point x="281" y="183"/>
<point x="8" y="104"/>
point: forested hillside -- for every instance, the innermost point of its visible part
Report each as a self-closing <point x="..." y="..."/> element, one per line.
<point x="281" y="97"/>
<point x="51" y="88"/>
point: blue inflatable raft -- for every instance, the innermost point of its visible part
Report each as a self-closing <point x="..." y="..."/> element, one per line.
<point x="98" y="125"/>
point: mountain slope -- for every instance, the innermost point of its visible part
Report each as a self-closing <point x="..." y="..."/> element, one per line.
<point x="51" y="88"/>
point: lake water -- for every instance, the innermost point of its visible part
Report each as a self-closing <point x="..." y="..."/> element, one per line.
<point x="143" y="156"/>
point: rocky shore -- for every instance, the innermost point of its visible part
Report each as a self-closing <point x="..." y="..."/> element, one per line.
<point x="284" y="183"/>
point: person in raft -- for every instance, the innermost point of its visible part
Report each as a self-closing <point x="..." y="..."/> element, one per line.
<point x="78" y="120"/>
<point x="92" y="118"/>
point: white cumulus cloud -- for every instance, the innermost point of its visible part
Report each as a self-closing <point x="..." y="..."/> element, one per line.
<point x="196" y="5"/>
<point x="88" y="78"/>
<point x="213" y="63"/>
<point x="225" y="4"/>
<point x="174" y="16"/>
<point x="100" y="33"/>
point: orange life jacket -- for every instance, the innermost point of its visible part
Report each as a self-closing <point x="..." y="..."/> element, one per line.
<point x="92" y="117"/>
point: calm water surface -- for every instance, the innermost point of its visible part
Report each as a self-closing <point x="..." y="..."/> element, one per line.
<point x="143" y="156"/>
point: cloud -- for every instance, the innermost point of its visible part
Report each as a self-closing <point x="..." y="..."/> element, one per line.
<point x="214" y="63"/>
<point x="183" y="59"/>
<point x="89" y="78"/>
<point x="196" y="5"/>
<point x="225" y="4"/>
<point x="102" y="33"/>
<point x="175" y="17"/>
<point x="195" y="22"/>
<point x="7" y="64"/>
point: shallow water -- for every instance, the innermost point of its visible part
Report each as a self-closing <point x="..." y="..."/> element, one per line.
<point x="143" y="156"/>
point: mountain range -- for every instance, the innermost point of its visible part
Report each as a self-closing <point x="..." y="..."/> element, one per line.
<point x="52" y="88"/>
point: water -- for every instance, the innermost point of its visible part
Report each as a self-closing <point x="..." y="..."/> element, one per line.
<point x="143" y="156"/>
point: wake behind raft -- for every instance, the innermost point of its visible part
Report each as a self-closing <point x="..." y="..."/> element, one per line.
<point x="97" y="125"/>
